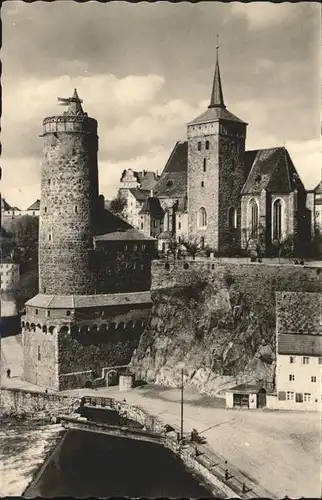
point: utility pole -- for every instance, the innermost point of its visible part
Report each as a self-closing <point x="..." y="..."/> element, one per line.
<point x="181" y="434"/>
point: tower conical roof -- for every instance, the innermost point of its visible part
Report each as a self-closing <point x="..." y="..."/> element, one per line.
<point x="217" y="97"/>
<point x="75" y="105"/>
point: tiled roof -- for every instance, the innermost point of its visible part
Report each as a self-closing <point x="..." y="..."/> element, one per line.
<point x="152" y="206"/>
<point x="140" y="194"/>
<point x="304" y="345"/>
<point x="173" y="180"/>
<point x="81" y="301"/>
<point x="215" y="114"/>
<point x="7" y="260"/>
<point x="34" y="206"/>
<point x="125" y="235"/>
<point x="245" y="389"/>
<point x="272" y="170"/>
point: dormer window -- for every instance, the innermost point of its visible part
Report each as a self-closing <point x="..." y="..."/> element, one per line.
<point x="169" y="183"/>
<point x="258" y="178"/>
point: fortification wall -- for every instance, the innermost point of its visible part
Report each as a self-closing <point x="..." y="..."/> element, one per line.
<point x="258" y="281"/>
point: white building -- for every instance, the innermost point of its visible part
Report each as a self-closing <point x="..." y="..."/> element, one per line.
<point x="9" y="274"/>
<point x="299" y="350"/>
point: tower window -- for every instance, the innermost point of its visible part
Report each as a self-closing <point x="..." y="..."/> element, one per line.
<point x="204" y="164"/>
<point x="202" y="184"/>
<point x="232" y="218"/>
<point x="48" y="314"/>
<point x="207" y="144"/>
<point x="202" y="217"/>
<point x="38" y="353"/>
<point x="49" y="237"/>
<point x="68" y="313"/>
<point x="141" y="225"/>
<point x="45" y="210"/>
<point x="199" y="146"/>
<point x="76" y="209"/>
<point x="48" y="182"/>
<point x="277" y="220"/>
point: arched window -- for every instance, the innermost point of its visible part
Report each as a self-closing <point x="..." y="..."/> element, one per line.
<point x="254" y="218"/>
<point x="199" y="146"/>
<point x="202" y="184"/>
<point x="277" y="220"/>
<point x="207" y="144"/>
<point x="232" y="218"/>
<point x="202" y="217"/>
<point x="204" y="164"/>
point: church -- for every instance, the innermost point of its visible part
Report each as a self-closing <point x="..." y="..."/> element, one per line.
<point x="214" y="190"/>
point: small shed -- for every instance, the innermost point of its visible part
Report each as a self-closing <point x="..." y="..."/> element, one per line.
<point x="126" y="381"/>
<point x="246" y="396"/>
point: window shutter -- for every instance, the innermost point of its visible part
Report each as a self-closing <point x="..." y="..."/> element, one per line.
<point x="282" y="396"/>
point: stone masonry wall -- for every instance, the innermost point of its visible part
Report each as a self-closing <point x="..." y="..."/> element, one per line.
<point x="20" y="401"/>
<point x="259" y="281"/>
<point x="40" y="361"/>
<point x="68" y="203"/>
<point x="299" y="313"/>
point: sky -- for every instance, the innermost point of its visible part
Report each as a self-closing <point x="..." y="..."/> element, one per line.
<point x="145" y="70"/>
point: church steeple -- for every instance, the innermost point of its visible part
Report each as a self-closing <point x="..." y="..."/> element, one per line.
<point x="217" y="97"/>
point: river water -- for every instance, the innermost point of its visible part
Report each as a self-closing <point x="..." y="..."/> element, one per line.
<point x="86" y="464"/>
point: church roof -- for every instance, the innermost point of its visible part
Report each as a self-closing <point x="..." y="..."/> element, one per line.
<point x="273" y="170"/>
<point x="35" y="206"/>
<point x="214" y="114"/>
<point x="173" y="180"/>
<point x="152" y="206"/>
<point x="216" y="109"/>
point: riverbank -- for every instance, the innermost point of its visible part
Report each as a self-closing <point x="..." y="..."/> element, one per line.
<point x="279" y="451"/>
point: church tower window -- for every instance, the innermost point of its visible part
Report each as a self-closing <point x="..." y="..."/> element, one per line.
<point x="199" y="145"/>
<point x="277" y="220"/>
<point x="207" y="144"/>
<point x="254" y="219"/>
<point x="202" y="184"/>
<point x="204" y="164"/>
<point x="232" y="218"/>
<point x="202" y="217"/>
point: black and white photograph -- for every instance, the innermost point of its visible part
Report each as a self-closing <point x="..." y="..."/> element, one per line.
<point x="161" y="250"/>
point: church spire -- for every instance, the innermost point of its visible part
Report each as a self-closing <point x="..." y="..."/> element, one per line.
<point x="217" y="98"/>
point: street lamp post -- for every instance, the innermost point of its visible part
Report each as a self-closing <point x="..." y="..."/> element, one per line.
<point x="181" y="419"/>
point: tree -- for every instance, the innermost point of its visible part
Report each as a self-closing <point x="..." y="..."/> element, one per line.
<point x="253" y="239"/>
<point x="285" y="246"/>
<point x="173" y="246"/>
<point x="118" y="204"/>
<point x="193" y="245"/>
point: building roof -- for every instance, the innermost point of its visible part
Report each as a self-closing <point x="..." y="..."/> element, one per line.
<point x="147" y="179"/>
<point x="140" y="194"/>
<point x="216" y="109"/>
<point x="152" y="206"/>
<point x="299" y="344"/>
<point x="4" y="205"/>
<point x="35" y="206"/>
<point x="8" y="260"/>
<point x="318" y="188"/>
<point x="165" y="235"/>
<point x="83" y="301"/>
<point x="124" y="235"/>
<point x="215" y="114"/>
<point x="245" y="389"/>
<point x="173" y="180"/>
<point x="273" y="170"/>
<point x="107" y="222"/>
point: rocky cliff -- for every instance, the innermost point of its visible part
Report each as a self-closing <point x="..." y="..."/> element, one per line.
<point x="217" y="332"/>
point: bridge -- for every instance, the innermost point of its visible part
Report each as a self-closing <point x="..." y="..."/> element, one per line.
<point x="82" y="424"/>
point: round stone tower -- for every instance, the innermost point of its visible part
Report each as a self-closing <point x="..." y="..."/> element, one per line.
<point x="69" y="200"/>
